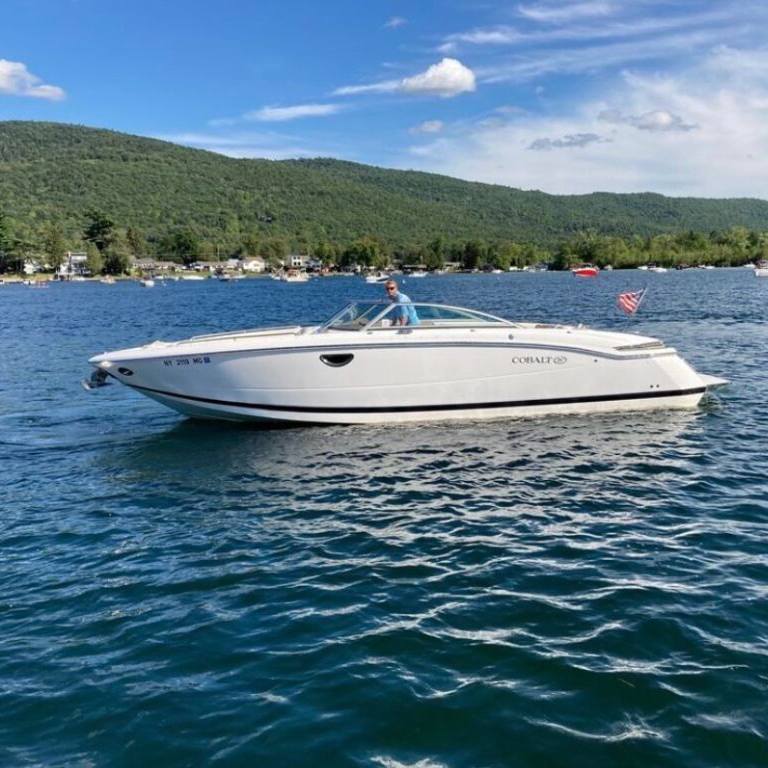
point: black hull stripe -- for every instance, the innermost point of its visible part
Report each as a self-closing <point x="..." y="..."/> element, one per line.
<point x="432" y="408"/>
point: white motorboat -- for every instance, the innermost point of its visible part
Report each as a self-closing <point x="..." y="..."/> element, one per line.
<point x="294" y="276"/>
<point x="761" y="269"/>
<point x="657" y="269"/>
<point x="358" y="367"/>
<point x="147" y="282"/>
<point x="377" y="277"/>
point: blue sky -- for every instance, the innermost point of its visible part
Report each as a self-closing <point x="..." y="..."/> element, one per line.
<point x="566" y="97"/>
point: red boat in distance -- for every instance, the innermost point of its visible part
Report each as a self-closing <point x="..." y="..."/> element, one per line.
<point x="586" y="270"/>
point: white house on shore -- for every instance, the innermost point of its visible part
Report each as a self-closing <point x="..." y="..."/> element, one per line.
<point x="73" y="265"/>
<point x="206" y="266"/>
<point x="295" y="261"/>
<point x="253" y="264"/>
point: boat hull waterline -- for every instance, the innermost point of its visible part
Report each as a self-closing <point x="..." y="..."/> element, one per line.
<point x="301" y="375"/>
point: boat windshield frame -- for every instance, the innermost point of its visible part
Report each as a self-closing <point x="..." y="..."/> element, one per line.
<point x="374" y="312"/>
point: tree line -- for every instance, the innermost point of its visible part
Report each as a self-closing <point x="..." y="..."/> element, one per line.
<point x="112" y="249"/>
<point x="52" y="173"/>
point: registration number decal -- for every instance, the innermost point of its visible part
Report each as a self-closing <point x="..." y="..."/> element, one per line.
<point x="176" y="361"/>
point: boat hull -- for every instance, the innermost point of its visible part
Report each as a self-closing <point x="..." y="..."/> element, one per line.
<point x="408" y="382"/>
<point x="222" y="411"/>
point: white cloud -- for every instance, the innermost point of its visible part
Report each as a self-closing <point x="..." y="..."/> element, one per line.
<point x="564" y="13"/>
<point x="395" y="21"/>
<point x="598" y="57"/>
<point x="385" y="86"/>
<point x="280" y="114"/>
<point x="17" y="80"/>
<point x="447" y="78"/>
<point x="656" y="120"/>
<point x="650" y="35"/>
<point x="725" y="95"/>
<point x="502" y="35"/>
<point x="429" y="126"/>
<point x="568" y="141"/>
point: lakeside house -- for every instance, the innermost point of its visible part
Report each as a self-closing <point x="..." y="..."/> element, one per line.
<point x="206" y="266"/>
<point x="295" y="261"/>
<point x="31" y="266"/>
<point x="74" y="265"/>
<point x="252" y="264"/>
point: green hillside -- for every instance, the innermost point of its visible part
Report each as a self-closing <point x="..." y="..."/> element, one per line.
<point x="52" y="173"/>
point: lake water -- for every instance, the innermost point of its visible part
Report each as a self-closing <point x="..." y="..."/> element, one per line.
<point x="580" y="591"/>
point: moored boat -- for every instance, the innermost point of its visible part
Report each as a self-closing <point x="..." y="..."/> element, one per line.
<point x="586" y="270"/>
<point x="294" y="276"/>
<point x="377" y="277"/>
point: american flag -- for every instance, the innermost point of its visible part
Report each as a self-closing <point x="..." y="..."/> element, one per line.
<point x="629" y="301"/>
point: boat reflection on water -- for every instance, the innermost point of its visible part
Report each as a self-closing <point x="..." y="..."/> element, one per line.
<point x="456" y="469"/>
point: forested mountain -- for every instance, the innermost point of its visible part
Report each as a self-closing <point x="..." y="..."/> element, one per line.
<point x="52" y="173"/>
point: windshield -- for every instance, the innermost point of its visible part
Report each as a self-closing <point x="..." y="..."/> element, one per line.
<point x="375" y="315"/>
<point x="356" y="316"/>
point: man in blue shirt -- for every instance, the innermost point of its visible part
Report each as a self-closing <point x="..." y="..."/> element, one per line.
<point x="404" y="314"/>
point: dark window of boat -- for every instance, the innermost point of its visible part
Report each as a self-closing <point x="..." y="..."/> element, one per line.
<point x="125" y="371"/>
<point x="336" y="361"/>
